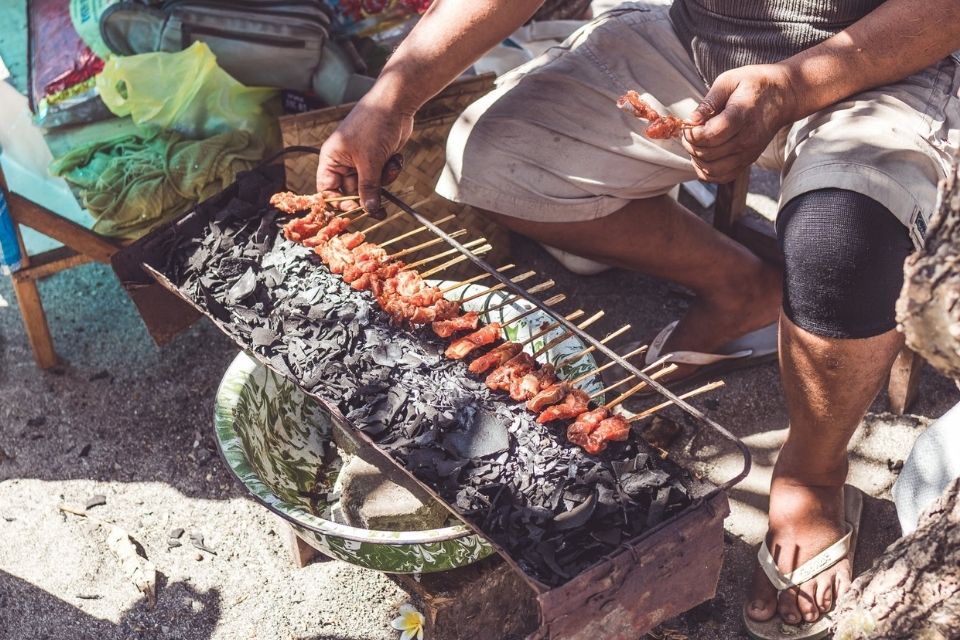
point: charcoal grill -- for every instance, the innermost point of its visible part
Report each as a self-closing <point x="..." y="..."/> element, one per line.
<point x="667" y="569"/>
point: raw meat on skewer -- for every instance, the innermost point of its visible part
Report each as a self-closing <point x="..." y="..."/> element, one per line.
<point x="291" y="203"/>
<point x="518" y="366"/>
<point x="548" y="396"/>
<point x="581" y="428"/>
<point x="467" y="322"/>
<point x="572" y="405"/>
<point x="526" y="387"/>
<point x="460" y="349"/>
<point x="495" y="357"/>
<point x="612" y="429"/>
<point x="660" y="127"/>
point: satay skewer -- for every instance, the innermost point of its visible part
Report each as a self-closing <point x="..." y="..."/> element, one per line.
<point x="663" y="405"/>
<point x="444" y="254"/>
<point x="386" y="220"/>
<point x="573" y="316"/>
<point x="654" y="376"/>
<point x="424" y="245"/>
<point x="449" y="263"/>
<point x="560" y="297"/>
<point x="597" y="370"/>
<point x="340" y="198"/>
<point x="412" y="232"/>
<point x="566" y="334"/>
<point x="537" y="288"/>
<point x="497" y="287"/>
<point x="643" y="383"/>
<point x="462" y="283"/>
<point x="592" y="348"/>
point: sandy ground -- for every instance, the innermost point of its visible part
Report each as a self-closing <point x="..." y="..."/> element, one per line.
<point x="131" y="421"/>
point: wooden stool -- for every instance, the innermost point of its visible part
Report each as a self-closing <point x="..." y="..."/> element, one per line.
<point x="81" y="245"/>
<point x="761" y="238"/>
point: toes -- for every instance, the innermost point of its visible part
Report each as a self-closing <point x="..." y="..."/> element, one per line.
<point x="762" y="597"/>
<point x="842" y="581"/>
<point x="825" y="595"/>
<point x="787" y="606"/>
<point x="807" y="601"/>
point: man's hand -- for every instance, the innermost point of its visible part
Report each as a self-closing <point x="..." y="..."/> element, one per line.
<point x="739" y="116"/>
<point x="355" y="158"/>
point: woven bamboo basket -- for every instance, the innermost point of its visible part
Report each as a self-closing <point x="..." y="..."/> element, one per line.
<point x="424" y="158"/>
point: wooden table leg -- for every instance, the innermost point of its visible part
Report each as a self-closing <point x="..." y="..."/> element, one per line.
<point x="31" y="311"/>
<point x="904" y="380"/>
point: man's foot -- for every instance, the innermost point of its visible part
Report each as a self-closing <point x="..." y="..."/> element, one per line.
<point x="726" y="314"/>
<point x="804" y="520"/>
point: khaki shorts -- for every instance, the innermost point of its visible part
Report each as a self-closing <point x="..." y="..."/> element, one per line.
<point x="549" y="144"/>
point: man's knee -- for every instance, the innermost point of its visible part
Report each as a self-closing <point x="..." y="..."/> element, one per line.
<point x="843" y="255"/>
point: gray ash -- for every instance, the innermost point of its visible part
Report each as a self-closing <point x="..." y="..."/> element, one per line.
<point x="555" y="509"/>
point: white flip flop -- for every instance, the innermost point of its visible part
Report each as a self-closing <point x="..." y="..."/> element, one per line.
<point x="845" y="547"/>
<point x="748" y="350"/>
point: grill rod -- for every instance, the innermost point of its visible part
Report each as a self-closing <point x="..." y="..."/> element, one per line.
<point x="573" y="328"/>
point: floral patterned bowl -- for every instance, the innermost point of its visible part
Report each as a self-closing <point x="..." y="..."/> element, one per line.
<point x="278" y="442"/>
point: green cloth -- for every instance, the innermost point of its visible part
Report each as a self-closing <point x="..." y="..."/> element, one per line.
<point x="132" y="183"/>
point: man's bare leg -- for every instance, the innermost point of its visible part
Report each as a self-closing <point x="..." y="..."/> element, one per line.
<point x="737" y="292"/>
<point x="828" y="385"/>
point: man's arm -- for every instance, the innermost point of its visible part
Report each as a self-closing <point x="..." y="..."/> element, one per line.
<point x="752" y="103"/>
<point x="448" y="39"/>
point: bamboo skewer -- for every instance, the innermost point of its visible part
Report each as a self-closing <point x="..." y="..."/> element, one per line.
<point x="629" y="392"/>
<point x="341" y="198"/>
<point x="386" y="220"/>
<point x="497" y="287"/>
<point x="597" y="370"/>
<point x="655" y="376"/>
<point x="444" y="254"/>
<point x="437" y="256"/>
<point x="573" y="316"/>
<point x="408" y="233"/>
<point x="549" y="302"/>
<point x="543" y="286"/>
<point x="424" y="245"/>
<point x="590" y="349"/>
<point x="449" y="263"/>
<point x="457" y="285"/>
<point x="566" y="334"/>
<point x="663" y="405"/>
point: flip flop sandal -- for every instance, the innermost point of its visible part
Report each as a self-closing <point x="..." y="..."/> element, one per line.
<point x="845" y="547"/>
<point x="751" y="349"/>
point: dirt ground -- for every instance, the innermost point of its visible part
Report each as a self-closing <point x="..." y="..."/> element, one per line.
<point x="133" y="422"/>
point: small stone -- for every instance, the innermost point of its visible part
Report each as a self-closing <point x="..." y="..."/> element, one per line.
<point x="198" y="557"/>
<point x="39" y="421"/>
<point x="173" y="544"/>
<point x="372" y="498"/>
<point x="85" y="451"/>
<point x="97" y="500"/>
<point x="176" y="533"/>
<point x="895" y="466"/>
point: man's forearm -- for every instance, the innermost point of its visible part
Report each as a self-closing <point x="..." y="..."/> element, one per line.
<point x="894" y="41"/>
<point x="448" y="39"/>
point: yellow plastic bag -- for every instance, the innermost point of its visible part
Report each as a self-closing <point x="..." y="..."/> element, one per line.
<point x="187" y="92"/>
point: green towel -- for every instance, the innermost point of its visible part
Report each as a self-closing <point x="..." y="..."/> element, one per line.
<point x="133" y="183"/>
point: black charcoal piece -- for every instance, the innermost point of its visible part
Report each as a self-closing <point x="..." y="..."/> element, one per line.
<point x="485" y="436"/>
<point x="242" y="288"/>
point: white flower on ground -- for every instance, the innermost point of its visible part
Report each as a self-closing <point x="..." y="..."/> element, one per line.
<point x="410" y="623"/>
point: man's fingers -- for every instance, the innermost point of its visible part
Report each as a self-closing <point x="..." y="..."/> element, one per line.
<point x="368" y="186"/>
<point x="392" y="169"/>
<point x="723" y="170"/>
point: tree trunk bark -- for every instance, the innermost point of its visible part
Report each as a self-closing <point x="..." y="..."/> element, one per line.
<point x="912" y="592"/>
<point x="929" y="307"/>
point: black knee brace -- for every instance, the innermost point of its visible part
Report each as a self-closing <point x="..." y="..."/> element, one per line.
<point x="843" y="255"/>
